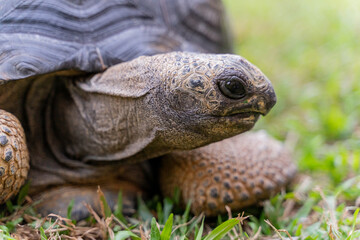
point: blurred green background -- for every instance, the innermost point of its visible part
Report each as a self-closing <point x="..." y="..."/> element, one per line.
<point x="310" y="51"/>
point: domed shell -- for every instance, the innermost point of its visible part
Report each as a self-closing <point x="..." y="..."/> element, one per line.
<point x="43" y="36"/>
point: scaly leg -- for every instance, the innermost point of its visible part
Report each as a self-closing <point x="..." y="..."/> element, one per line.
<point x="14" y="156"/>
<point x="237" y="172"/>
<point x="57" y="200"/>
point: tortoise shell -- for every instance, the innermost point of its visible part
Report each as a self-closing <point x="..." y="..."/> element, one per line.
<point x="43" y="36"/>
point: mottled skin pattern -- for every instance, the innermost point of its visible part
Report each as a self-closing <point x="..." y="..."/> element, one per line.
<point x="132" y="112"/>
<point x="101" y="86"/>
<point x="228" y="173"/>
<point x="14" y="157"/>
<point x="177" y="94"/>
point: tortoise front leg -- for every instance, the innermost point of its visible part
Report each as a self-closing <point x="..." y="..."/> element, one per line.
<point x="14" y="156"/>
<point x="57" y="200"/>
<point x="132" y="180"/>
<point x="237" y="172"/>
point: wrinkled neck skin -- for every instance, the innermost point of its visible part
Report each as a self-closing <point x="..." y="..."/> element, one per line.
<point x="97" y="121"/>
<point x="94" y="127"/>
<point x="150" y="106"/>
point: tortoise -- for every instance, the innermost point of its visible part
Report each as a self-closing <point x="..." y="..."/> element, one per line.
<point x="117" y="93"/>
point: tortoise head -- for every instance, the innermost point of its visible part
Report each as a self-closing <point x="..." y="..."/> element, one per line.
<point x="155" y="104"/>
<point x="212" y="97"/>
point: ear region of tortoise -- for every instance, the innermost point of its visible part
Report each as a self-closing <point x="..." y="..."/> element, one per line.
<point x="14" y="156"/>
<point x="238" y="172"/>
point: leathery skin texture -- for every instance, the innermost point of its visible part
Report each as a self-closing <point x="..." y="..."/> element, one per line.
<point x="98" y="84"/>
<point x="238" y="172"/>
<point x="14" y="157"/>
<point x="180" y="104"/>
<point x="151" y="106"/>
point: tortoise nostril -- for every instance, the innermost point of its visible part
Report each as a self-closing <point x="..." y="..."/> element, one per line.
<point x="261" y="107"/>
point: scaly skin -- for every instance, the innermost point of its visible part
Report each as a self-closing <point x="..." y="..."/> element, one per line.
<point x="82" y="128"/>
<point x="137" y="110"/>
<point x="14" y="157"/>
<point x="238" y="172"/>
<point x="156" y="105"/>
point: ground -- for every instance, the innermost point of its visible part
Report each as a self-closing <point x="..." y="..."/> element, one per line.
<point x="310" y="51"/>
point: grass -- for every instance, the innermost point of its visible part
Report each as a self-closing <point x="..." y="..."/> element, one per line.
<point x="310" y="51"/>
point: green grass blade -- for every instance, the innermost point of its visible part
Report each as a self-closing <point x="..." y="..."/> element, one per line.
<point x="354" y="219"/>
<point x="69" y="209"/>
<point x="4" y="233"/>
<point x="306" y="208"/>
<point x="160" y="213"/>
<point x="10" y="206"/>
<point x="122" y="235"/>
<point x="176" y="197"/>
<point x="355" y="235"/>
<point x="6" y="237"/>
<point x="106" y="210"/>
<point x="200" y="232"/>
<point x="155" y="233"/>
<point x="166" y="232"/>
<point x="143" y="210"/>
<point x="42" y="234"/>
<point x="187" y="211"/>
<point x="12" y="224"/>
<point x="298" y="230"/>
<point x="22" y="194"/>
<point x="185" y="218"/>
<point x="353" y="232"/>
<point x="220" y="231"/>
<point x="168" y="206"/>
<point x="119" y="207"/>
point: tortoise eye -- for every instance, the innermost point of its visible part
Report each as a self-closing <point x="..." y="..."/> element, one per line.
<point x="232" y="88"/>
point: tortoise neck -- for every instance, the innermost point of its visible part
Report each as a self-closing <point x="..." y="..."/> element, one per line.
<point x="95" y="127"/>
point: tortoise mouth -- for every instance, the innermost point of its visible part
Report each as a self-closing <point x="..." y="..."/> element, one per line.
<point x="245" y="112"/>
<point x="244" y="116"/>
<point x="240" y="113"/>
<point x="230" y="125"/>
<point x="240" y="119"/>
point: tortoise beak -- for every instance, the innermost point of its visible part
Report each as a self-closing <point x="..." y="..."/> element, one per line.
<point x="266" y="101"/>
<point x="269" y="101"/>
